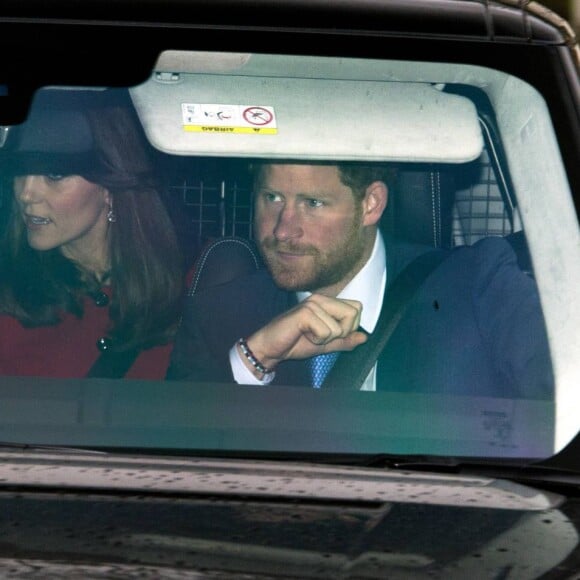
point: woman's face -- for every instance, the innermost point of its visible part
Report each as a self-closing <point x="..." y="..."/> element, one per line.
<point x="66" y="212"/>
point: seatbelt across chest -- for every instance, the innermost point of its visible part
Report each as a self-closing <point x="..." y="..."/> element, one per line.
<point x="352" y="368"/>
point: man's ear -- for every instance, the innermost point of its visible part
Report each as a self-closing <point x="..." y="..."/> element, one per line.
<point x="374" y="202"/>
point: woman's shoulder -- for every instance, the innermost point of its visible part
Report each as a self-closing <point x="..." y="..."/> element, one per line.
<point x="67" y="348"/>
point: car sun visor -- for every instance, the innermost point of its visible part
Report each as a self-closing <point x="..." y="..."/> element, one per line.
<point x="225" y="111"/>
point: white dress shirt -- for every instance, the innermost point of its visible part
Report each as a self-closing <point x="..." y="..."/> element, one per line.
<point x="363" y="287"/>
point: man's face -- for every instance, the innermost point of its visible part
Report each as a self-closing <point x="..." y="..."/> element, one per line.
<point x="309" y="227"/>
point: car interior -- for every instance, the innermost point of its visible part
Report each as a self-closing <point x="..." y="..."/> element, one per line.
<point x="466" y="156"/>
<point x="466" y="153"/>
<point x="443" y="201"/>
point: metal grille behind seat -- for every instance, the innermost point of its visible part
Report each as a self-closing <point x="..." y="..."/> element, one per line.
<point x="437" y="205"/>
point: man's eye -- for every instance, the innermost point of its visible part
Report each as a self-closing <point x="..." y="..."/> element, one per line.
<point x="314" y="203"/>
<point x="271" y="197"/>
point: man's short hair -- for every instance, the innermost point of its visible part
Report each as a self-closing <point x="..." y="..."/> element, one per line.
<point x="358" y="176"/>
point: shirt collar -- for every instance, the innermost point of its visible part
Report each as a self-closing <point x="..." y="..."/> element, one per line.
<point x="363" y="287"/>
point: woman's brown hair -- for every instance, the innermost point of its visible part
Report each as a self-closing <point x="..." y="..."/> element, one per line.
<point x="145" y="263"/>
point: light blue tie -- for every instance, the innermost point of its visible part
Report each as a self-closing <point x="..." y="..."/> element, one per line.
<point x="319" y="367"/>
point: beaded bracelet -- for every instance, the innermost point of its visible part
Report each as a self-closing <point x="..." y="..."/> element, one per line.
<point x="250" y="356"/>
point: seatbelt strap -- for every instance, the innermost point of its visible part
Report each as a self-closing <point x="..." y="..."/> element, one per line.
<point x="352" y="368"/>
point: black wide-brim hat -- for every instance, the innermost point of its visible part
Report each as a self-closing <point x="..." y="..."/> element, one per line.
<point x="56" y="137"/>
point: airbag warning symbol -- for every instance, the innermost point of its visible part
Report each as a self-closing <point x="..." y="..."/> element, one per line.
<point x="215" y="118"/>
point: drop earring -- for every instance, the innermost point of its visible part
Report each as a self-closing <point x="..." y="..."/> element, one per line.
<point x="111" y="216"/>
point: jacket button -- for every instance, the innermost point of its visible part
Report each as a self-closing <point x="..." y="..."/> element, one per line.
<point x="104" y="343"/>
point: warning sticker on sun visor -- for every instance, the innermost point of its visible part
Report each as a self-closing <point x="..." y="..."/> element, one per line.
<point x="212" y="118"/>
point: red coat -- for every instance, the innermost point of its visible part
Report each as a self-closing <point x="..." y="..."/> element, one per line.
<point x="68" y="349"/>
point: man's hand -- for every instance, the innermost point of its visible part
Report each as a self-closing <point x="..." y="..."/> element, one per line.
<point x="317" y="325"/>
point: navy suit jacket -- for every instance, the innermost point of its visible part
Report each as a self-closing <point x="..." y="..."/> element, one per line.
<point x="474" y="327"/>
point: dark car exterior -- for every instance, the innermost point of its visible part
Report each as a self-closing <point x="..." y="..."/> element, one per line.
<point x="104" y="479"/>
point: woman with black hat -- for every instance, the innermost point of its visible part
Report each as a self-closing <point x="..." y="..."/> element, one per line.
<point x="91" y="277"/>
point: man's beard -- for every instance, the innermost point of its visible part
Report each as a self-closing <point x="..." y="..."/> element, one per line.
<point x="317" y="271"/>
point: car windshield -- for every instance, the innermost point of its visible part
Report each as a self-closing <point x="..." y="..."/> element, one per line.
<point x="178" y="252"/>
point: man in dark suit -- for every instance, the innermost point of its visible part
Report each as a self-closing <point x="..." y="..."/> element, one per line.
<point x="474" y="327"/>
